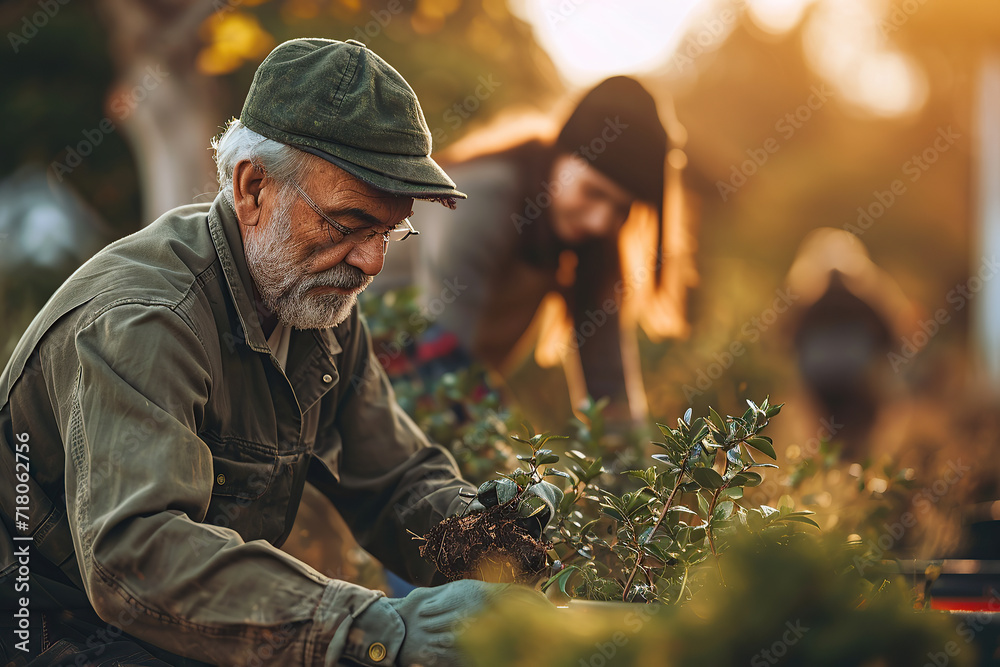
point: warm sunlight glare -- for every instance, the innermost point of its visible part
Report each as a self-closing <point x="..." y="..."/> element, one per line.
<point x="844" y="43"/>
<point x="777" y="16"/>
<point x="589" y="40"/>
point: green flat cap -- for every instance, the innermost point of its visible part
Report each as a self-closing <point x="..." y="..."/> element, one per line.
<point x="343" y="103"/>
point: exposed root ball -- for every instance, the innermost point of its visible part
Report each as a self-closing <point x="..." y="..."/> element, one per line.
<point x="487" y="545"/>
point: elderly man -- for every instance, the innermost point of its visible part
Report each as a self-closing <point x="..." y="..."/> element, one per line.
<point x="164" y="411"/>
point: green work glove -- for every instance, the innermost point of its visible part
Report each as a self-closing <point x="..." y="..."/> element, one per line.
<point x="432" y="619"/>
<point x="537" y="507"/>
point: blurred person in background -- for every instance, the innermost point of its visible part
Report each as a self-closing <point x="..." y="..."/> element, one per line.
<point x="848" y="314"/>
<point x="561" y="250"/>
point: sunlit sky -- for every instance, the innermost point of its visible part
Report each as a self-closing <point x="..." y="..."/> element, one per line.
<point x="589" y="40"/>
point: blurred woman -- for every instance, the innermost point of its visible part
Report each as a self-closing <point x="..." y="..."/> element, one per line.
<point x="561" y="249"/>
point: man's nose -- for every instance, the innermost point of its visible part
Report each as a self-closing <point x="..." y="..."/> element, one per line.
<point x="368" y="256"/>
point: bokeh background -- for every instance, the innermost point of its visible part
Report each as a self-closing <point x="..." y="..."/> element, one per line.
<point x="840" y="162"/>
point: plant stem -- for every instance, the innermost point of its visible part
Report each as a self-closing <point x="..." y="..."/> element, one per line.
<point x="683" y="585"/>
<point x="708" y="530"/>
<point x="656" y="526"/>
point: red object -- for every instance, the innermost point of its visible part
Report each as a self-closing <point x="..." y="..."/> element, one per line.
<point x="964" y="604"/>
<point x="438" y="347"/>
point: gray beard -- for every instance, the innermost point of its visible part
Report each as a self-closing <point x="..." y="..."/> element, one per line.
<point x="284" y="287"/>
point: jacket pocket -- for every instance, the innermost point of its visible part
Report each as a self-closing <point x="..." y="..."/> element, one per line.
<point x="241" y="469"/>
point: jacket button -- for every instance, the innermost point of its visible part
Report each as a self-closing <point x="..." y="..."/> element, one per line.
<point x="328" y="378"/>
<point x="221" y="479"/>
<point x="377" y="652"/>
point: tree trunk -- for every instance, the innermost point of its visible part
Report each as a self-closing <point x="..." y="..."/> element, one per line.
<point x="165" y="107"/>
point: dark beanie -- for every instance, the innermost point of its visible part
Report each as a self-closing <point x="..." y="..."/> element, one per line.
<point x="617" y="129"/>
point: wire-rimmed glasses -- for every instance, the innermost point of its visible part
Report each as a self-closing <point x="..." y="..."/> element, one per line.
<point x="360" y="235"/>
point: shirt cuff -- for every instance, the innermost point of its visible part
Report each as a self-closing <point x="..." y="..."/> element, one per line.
<point x="375" y="637"/>
<point x="339" y="607"/>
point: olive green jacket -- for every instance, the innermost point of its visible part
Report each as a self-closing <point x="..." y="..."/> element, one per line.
<point x="168" y="453"/>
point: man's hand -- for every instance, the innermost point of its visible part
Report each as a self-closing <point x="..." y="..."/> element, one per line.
<point x="535" y="509"/>
<point x="433" y="618"/>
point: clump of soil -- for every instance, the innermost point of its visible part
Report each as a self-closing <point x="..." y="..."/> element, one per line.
<point x="489" y="545"/>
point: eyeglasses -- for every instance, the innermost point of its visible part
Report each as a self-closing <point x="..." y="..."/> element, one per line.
<point x="360" y="235"/>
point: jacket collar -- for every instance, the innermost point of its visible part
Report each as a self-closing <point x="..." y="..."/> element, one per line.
<point x="225" y="230"/>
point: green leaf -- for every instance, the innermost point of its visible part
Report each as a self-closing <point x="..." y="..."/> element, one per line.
<point x="763" y="444"/>
<point x="567" y="502"/>
<point x="612" y="512"/>
<point x="723" y="510"/>
<point x="681" y="509"/>
<point x="699" y="430"/>
<point x="522" y="478"/>
<point x="594" y="470"/>
<point x="553" y="472"/>
<point x="687" y="416"/>
<point x="771" y="412"/>
<point x="733" y="459"/>
<point x="747" y="478"/>
<point x="717" y="421"/>
<point x="641" y="498"/>
<point x="734" y="492"/>
<point x="530" y="506"/>
<point x="703" y="505"/>
<point x="799" y="519"/>
<point x="707" y="478"/>
<point x="547" y="459"/>
<point x="561" y="578"/>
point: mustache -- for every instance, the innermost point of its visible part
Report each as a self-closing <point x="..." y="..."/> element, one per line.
<point x="343" y="276"/>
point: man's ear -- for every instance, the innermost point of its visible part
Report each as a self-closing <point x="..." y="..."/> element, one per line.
<point x="248" y="181"/>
